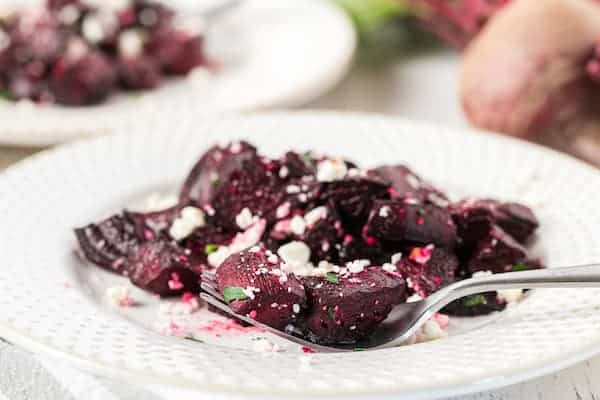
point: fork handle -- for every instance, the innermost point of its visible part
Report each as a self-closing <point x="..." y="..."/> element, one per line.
<point x="563" y="277"/>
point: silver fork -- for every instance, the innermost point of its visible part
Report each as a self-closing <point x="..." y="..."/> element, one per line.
<point x="405" y="319"/>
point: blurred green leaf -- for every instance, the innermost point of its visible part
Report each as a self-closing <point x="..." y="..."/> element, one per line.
<point x="369" y="15"/>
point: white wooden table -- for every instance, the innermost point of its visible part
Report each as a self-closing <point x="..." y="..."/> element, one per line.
<point x="400" y="89"/>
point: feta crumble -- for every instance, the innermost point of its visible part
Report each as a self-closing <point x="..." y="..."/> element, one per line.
<point x="384" y="211"/>
<point x="118" y="296"/>
<point x="331" y="170"/>
<point x="510" y="296"/>
<point x="297" y="225"/>
<point x="190" y="218"/>
<point x="131" y="43"/>
<point x="389" y="267"/>
<point x="314" y="215"/>
<point x="357" y="266"/>
<point x="244" y="219"/>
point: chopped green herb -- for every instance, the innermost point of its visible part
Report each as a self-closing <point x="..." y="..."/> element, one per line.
<point x="332" y="277"/>
<point x="215" y="182"/>
<point x="358" y="349"/>
<point x="330" y="312"/>
<point x="520" y="267"/>
<point x="211" y="248"/>
<point x="231" y="293"/>
<point x="475" y="300"/>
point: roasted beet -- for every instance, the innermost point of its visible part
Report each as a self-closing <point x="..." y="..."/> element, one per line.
<point x="498" y="252"/>
<point x="109" y="242"/>
<point x="411" y="221"/>
<point x="163" y="268"/>
<point x="151" y="225"/>
<point x="254" y="190"/>
<point x="427" y="269"/>
<point x="212" y="171"/>
<point x="404" y="183"/>
<point x="203" y="241"/>
<point x="254" y="285"/>
<point x="350" y="309"/>
<point x="475" y="217"/>
<point x="176" y="51"/>
<point x="138" y="73"/>
<point x="87" y="80"/>
<point x="322" y="232"/>
<point x="356" y="247"/>
<point x="296" y="165"/>
<point x="353" y="198"/>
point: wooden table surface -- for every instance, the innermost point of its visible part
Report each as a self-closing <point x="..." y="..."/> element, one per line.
<point x="399" y="89"/>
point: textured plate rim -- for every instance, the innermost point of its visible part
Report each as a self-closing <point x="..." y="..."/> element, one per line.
<point x="109" y="370"/>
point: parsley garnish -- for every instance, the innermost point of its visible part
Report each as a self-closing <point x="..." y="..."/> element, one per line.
<point x="358" y="349"/>
<point x="332" y="277"/>
<point x="330" y="312"/>
<point x="211" y="248"/>
<point x="231" y="293"/>
<point x="520" y="267"/>
<point x="475" y="300"/>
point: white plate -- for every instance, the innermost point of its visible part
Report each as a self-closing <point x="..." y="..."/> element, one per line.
<point x="52" y="303"/>
<point x="275" y="53"/>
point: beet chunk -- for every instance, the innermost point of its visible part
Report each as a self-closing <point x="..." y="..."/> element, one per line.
<point x="176" y="51"/>
<point x="353" y="198"/>
<point x="474" y="218"/>
<point x="404" y="183"/>
<point x="323" y="235"/>
<point x="254" y="285"/>
<point x="409" y="221"/>
<point x="108" y="243"/>
<point x="139" y="73"/>
<point x="85" y="81"/>
<point x="150" y="225"/>
<point x="428" y="269"/>
<point x="163" y="268"/>
<point x="351" y="309"/>
<point x="498" y="252"/>
<point x="296" y="165"/>
<point x="254" y="187"/>
<point x="212" y="171"/>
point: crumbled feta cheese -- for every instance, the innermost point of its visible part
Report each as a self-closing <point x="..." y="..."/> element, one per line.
<point x="396" y="258"/>
<point x="284" y="172"/>
<point x="131" y="43"/>
<point x="357" y="266"/>
<point x="190" y="218"/>
<point x="69" y="14"/>
<point x="481" y="274"/>
<point x="294" y="252"/>
<point x="292" y="189"/>
<point x="216" y="258"/>
<point x="389" y="267"/>
<point x="510" y="296"/>
<point x="315" y="215"/>
<point x="355" y="172"/>
<point x="297" y="225"/>
<point x="331" y="170"/>
<point x="97" y="26"/>
<point x="431" y="330"/>
<point x="118" y="296"/>
<point x="296" y="308"/>
<point x="179" y="307"/>
<point x="384" y="211"/>
<point x="244" y="219"/>
<point x="283" y="210"/>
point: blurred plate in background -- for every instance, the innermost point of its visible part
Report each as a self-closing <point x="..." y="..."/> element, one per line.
<point x="274" y="53"/>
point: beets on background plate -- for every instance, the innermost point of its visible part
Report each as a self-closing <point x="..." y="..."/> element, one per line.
<point x="313" y="242"/>
<point x="75" y="54"/>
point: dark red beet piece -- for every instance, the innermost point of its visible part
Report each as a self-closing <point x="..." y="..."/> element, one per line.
<point x="254" y="186"/>
<point x="351" y="309"/>
<point x="474" y="218"/>
<point x="410" y="221"/>
<point x="296" y="165"/>
<point x="138" y="73"/>
<point x="428" y="269"/>
<point x="108" y="242"/>
<point x="277" y="298"/>
<point x="353" y="198"/>
<point x="176" y="51"/>
<point x="58" y="4"/>
<point x="163" y="268"/>
<point x="498" y="252"/>
<point x="323" y="236"/>
<point x="203" y="241"/>
<point x="151" y="225"/>
<point x="212" y="171"/>
<point x="404" y="183"/>
<point x="85" y="81"/>
<point x="358" y="248"/>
